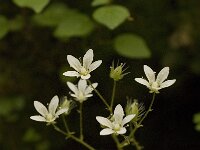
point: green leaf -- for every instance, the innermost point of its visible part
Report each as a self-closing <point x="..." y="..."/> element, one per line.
<point x="16" y="24"/>
<point x="111" y="16"/>
<point x="4" y="26"/>
<point x="36" y="5"/>
<point x="76" y="25"/>
<point x="131" y="46"/>
<point x="53" y="15"/>
<point x="100" y="2"/>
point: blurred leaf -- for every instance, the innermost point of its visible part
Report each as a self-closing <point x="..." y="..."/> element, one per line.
<point x="197" y="127"/>
<point x="195" y="65"/>
<point x="100" y="2"/>
<point x="53" y="15"/>
<point x="45" y="145"/>
<point x="4" y="26"/>
<point x="131" y="46"/>
<point x="196" y="118"/>
<point x="16" y="23"/>
<point x="31" y="135"/>
<point x="75" y="25"/>
<point x="111" y="16"/>
<point x="36" y="5"/>
<point x="10" y="104"/>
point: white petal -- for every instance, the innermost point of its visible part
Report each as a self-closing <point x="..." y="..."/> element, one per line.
<point x="88" y="58"/>
<point x="73" y="87"/>
<point x="74" y="62"/>
<point x="71" y="74"/>
<point x="104" y="121"/>
<point x="85" y="77"/>
<point x="53" y="105"/>
<point x="122" y="131"/>
<point x="89" y="89"/>
<point x="162" y="75"/>
<point x="95" y="65"/>
<point x="149" y="73"/>
<point x="142" y="81"/>
<point x="40" y="108"/>
<point x="89" y="95"/>
<point x="167" y="83"/>
<point x="61" y="111"/>
<point x="38" y="118"/>
<point x="82" y="84"/>
<point x="127" y="119"/>
<point x="106" y="131"/>
<point x="118" y="113"/>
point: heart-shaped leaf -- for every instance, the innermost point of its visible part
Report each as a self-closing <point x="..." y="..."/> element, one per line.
<point x="111" y="16"/>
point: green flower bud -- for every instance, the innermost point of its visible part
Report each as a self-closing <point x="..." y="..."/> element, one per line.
<point x="67" y="104"/>
<point x="118" y="72"/>
<point x="134" y="108"/>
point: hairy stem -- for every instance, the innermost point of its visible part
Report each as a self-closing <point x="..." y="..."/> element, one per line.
<point x="81" y="120"/>
<point x="100" y="96"/>
<point x="113" y="95"/>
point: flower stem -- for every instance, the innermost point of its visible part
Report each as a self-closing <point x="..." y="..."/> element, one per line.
<point x="119" y="146"/>
<point x="65" y="124"/>
<point x="100" y="96"/>
<point x="81" y="120"/>
<point x="138" y="125"/>
<point x="74" y="138"/>
<point x="113" y="95"/>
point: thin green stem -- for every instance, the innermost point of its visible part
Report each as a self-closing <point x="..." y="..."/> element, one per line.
<point x="82" y="142"/>
<point x="81" y="120"/>
<point x="100" y="96"/>
<point x="119" y="146"/>
<point x="138" y="125"/>
<point x="74" y="138"/>
<point x="113" y="95"/>
<point x="65" y="124"/>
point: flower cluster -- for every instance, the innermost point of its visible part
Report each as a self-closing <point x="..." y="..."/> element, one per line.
<point x="118" y="121"/>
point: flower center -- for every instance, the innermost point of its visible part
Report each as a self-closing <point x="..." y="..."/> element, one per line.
<point x="116" y="127"/>
<point x="83" y="71"/>
<point x="154" y="85"/>
<point x="81" y="96"/>
<point x="49" y="117"/>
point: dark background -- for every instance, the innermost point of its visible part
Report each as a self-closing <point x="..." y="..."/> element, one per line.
<point x="32" y="62"/>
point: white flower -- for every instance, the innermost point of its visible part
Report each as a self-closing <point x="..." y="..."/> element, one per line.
<point x="116" y="123"/>
<point x="155" y="84"/>
<point x="82" y="91"/>
<point x="48" y="115"/>
<point x="82" y="69"/>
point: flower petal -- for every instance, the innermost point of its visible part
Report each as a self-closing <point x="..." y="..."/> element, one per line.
<point x="73" y="88"/>
<point x="127" y="119"/>
<point x="89" y="89"/>
<point x="82" y="84"/>
<point x="106" y="131"/>
<point x="142" y="81"/>
<point x="149" y="73"/>
<point x="162" y="75"/>
<point x="95" y="65"/>
<point x="74" y="62"/>
<point x="85" y="77"/>
<point x="167" y="83"/>
<point x="53" y="105"/>
<point x="71" y="74"/>
<point x="122" y="131"/>
<point x="118" y="113"/>
<point x="38" y="118"/>
<point x="88" y="58"/>
<point x="40" y="108"/>
<point x="104" y="121"/>
<point x="61" y="111"/>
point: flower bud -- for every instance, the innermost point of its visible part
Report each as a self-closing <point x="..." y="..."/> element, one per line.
<point x="67" y="104"/>
<point x="134" y="108"/>
<point x="118" y="72"/>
